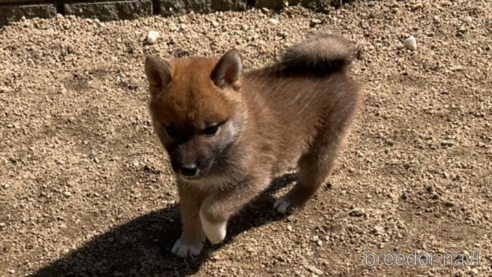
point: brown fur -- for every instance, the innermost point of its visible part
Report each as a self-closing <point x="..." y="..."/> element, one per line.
<point x="296" y="111"/>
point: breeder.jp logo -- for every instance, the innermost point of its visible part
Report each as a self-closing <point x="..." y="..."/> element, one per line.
<point x="423" y="259"/>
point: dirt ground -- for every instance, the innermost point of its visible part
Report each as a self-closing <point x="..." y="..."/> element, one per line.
<point x="86" y="190"/>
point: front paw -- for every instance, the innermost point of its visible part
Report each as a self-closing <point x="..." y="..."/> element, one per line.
<point x="185" y="249"/>
<point x="215" y="232"/>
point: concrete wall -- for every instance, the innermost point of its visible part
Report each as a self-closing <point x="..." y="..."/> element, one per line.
<point x="105" y="10"/>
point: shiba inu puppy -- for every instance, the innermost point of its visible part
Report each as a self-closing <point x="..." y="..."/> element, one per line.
<point x="228" y="132"/>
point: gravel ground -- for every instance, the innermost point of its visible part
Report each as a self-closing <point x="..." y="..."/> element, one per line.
<point x="86" y="190"/>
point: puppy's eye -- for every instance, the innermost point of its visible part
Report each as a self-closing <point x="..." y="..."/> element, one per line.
<point x="211" y="130"/>
<point x="171" y="131"/>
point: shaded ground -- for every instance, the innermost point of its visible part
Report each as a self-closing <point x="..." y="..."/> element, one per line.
<point x="85" y="189"/>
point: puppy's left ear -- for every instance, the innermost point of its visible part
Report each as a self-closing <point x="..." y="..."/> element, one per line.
<point x="228" y="70"/>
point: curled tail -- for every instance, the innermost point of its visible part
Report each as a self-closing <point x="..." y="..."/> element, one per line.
<point x="319" y="55"/>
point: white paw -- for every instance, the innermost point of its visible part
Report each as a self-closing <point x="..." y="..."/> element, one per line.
<point x="215" y="232"/>
<point x="282" y="205"/>
<point x="186" y="250"/>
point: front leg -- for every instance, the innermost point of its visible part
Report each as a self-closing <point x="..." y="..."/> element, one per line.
<point x="219" y="206"/>
<point x="214" y="228"/>
<point x="192" y="237"/>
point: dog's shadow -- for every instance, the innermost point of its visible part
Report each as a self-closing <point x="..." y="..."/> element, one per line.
<point x="142" y="247"/>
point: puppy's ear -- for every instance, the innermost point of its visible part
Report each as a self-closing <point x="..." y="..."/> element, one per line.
<point x="228" y="70"/>
<point x="158" y="73"/>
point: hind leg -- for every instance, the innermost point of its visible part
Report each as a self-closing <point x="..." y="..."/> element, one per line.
<point x="313" y="169"/>
<point x="317" y="164"/>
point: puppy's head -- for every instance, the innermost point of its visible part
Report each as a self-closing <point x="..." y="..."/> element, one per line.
<point x="196" y="109"/>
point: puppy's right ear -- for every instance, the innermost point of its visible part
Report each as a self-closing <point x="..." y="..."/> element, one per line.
<point x="158" y="73"/>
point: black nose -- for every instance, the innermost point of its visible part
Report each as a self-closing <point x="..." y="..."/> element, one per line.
<point x="189" y="170"/>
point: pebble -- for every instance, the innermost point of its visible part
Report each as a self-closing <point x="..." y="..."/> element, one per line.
<point x="358" y="212"/>
<point x="447" y="143"/>
<point x="273" y="21"/>
<point x="6" y="186"/>
<point x="99" y="23"/>
<point x="215" y="24"/>
<point x="315" y="21"/>
<point x="67" y="194"/>
<point x="4" y="89"/>
<point x="468" y="19"/>
<point x="152" y="37"/>
<point x="315" y="270"/>
<point x="378" y="230"/>
<point x="73" y="160"/>
<point x="410" y="43"/>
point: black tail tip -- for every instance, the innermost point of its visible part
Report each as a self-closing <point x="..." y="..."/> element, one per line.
<point x="319" y="55"/>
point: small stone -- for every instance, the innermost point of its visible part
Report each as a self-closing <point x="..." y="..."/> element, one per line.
<point x="289" y="227"/>
<point x="447" y="143"/>
<point x="273" y="21"/>
<point x="468" y="19"/>
<point x="357" y="212"/>
<point x="6" y="186"/>
<point x="218" y="257"/>
<point x="215" y="24"/>
<point x="315" y="270"/>
<point x="69" y="58"/>
<point x="67" y="194"/>
<point x="315" y="21"/>
<point x="173" y="26"/>
<point x="73" y="160"/>
<point x="12" y="271"/>
<point x="136" y="163"/>
<point x="4" y="89"/>
<point x="410" y="43"/>
<point x="143" y="37"/>
<point x="152" y="37"/>
<point x="474" y="271"/>
<point x="378" y="230"/>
